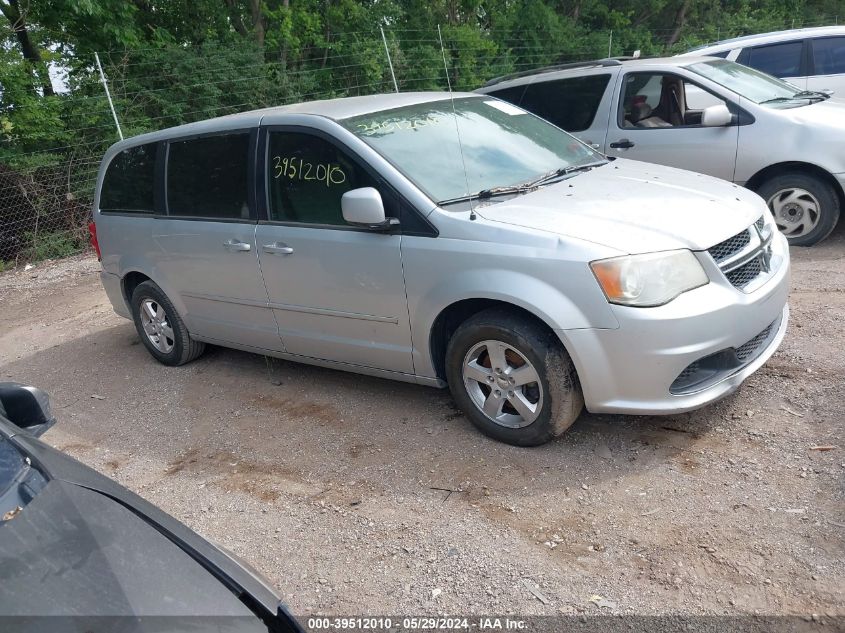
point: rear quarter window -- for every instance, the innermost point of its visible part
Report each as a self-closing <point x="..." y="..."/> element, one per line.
<point x="571" y="104"/>
<point x="129" y="183"/>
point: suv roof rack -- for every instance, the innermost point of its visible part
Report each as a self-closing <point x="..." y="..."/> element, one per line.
<point x="607" y="61"/>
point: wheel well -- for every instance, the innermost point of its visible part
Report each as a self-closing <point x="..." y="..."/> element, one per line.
<point x="451" y="318"/>
<point x="786" y="168"/>
<point x="130" y="282"/>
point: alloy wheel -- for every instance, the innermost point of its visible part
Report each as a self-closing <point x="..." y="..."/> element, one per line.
<point x="503" y="384"/>
<point x="157" y="326"/>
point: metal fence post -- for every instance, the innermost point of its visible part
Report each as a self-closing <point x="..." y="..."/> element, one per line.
<point x="610" y="44"/>
<point x="389" y="61"/>
<point x="108" y="94"/>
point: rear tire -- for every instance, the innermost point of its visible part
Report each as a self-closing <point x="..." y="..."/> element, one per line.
<point x="806" y="208"/>
<point x="162" y="330"/>
<point x="512" y="378"/>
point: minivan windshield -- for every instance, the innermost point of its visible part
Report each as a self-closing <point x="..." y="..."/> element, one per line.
<point x="500" y="144"/>
<point x="754" y="85"/>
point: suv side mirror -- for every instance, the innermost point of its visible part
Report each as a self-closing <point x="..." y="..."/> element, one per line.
<point x="716" y="116"/>
<point x="364" y="207"/>
<point x="27" y="408"/>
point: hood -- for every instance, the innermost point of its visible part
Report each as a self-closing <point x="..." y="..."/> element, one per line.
<point x="73" y="552"/>
<point x="635" y="207"/>
<point x="829" y="113"/>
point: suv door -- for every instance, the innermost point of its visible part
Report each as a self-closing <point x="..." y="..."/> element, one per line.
<point x="337" y="291"/>
<point x="658" y="120"/>
<point x="205" y="243"/>
<point x="828" y="73"/>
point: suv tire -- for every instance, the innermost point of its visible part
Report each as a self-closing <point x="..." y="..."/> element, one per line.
<point x="797" y="198"/>
<point x="512" y="378"/>
<point x="162" y="330"/>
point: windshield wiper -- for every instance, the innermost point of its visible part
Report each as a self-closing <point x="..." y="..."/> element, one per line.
<point x="803" y="94"/>
<point x="524" y="187"/>
<point x="811" y="94"/>
<point x="777" y="100"/>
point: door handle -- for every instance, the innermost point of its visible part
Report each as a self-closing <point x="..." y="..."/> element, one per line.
<point x="622" y="144"/>
<point x="236" y="245"/>
<point x="277" y="248"/>
<point x="593" y="145"/>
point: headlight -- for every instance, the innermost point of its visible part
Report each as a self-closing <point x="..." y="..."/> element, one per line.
<point x="648" y="280"/>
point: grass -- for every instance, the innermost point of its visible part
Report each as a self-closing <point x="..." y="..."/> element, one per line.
<point x="54" y="245"/>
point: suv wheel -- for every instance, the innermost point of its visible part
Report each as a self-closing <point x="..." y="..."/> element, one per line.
<point x="805" y="207"/>
<point x="512" y="378"/>
<point x="160" y="327"/>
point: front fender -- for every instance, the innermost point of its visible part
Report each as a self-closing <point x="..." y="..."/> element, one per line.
<point x="560" y="291"/>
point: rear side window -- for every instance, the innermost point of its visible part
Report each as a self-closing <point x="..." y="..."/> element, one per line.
<point x="722" y="54"/>
<point x="570" y="104"/>
<point x="780" y="60"/>
<point x="829" y="56"/>
<point x="207" y="177"/>
<point x="130" y="181"/>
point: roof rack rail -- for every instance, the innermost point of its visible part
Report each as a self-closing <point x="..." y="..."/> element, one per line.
<point x="607" y="61"/>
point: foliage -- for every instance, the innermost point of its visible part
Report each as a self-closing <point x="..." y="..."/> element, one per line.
<point x="54" y="245"/>
<point x="170" y="62"/>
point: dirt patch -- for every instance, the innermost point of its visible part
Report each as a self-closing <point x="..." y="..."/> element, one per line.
<point x="360" y="495"/>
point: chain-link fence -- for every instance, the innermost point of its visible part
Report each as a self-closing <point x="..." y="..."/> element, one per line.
<point x="46" y="194"/>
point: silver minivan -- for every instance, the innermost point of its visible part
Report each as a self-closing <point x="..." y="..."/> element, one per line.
<point x="442" y="240"/>
<point x="707" y="115"/>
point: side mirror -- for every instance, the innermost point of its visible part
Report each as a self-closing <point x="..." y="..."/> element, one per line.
<point x="26" y="407"/>
<point x="364" y="207"/>
<point x="716" y="116"/>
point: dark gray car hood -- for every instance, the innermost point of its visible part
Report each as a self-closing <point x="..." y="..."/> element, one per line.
<point x="75" y="552"/>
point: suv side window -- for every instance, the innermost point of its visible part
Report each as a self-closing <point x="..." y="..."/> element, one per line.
<point x="571" y="104"/>
<point x="655" y="100"/>
<point x="129" y="183"/>
<point x="780" y="60"/>
<point x="829" y="56"/>
<point x="307" y="177"/>
<point x="207" y="177"/>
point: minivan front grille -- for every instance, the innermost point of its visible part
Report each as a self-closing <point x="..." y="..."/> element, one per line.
<point x="745" y="274"/>
<point x="730" y="246"/>
<point x="747" y="350"/>
<point x="744" y="257"/>
<point x="706" y="371"/>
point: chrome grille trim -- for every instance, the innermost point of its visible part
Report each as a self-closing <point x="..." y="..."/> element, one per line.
<point x="745" y="257"/>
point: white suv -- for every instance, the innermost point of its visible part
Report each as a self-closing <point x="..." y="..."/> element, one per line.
<point x="707" y="115"/>
<point x="812" y="59"/>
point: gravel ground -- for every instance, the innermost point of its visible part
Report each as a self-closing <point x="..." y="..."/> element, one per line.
<point x="356" y="495"/>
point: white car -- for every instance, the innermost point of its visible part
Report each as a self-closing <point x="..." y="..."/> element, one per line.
<point x="707" y="115"/>
<point x="812" y="59"/>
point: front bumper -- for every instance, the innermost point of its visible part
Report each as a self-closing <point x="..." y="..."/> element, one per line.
<point x="632" y="369"/>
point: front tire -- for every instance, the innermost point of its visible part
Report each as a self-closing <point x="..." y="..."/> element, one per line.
<point x="512" y="378"/>
<point x="806" y="208"/>
<point x="162" y="330"/>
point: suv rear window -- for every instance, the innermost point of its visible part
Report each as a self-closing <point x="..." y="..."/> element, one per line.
<point x="829" y="55"/>
<point x="207" y="177"/>
<point x="780" y="60"/>
<point x="570" y="104"/>
<point x="130" y="181"/>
